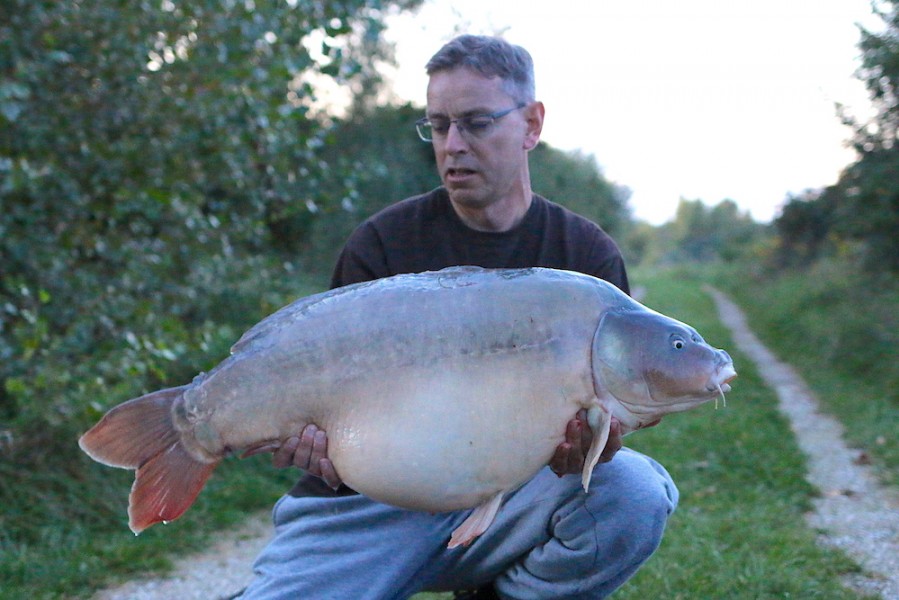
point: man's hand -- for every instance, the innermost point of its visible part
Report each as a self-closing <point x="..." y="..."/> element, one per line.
<point x="571" y="454"/>
<point x="308" y="451"/>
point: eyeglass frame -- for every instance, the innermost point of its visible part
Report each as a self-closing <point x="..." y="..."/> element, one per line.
<point x="461" y="123"/>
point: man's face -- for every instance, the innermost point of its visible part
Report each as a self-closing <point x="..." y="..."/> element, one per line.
<point x="479" y="170"/>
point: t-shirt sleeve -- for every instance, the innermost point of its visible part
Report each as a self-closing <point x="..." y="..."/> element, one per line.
<point x="608" y="263"/>
<point x="362" y="258"/>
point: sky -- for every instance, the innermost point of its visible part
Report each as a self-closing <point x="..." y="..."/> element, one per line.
<point x="695" y="99"/>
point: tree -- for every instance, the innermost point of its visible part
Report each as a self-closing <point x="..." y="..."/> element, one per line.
<point x="869" y="212"/>
<point x="700" y="233"/>
<point x="388" y="161"/>
<point x="880" y="73"/>
<point x="805" y="226"/>
<point x="861" y="212"/>
<point x="575" y="180"/>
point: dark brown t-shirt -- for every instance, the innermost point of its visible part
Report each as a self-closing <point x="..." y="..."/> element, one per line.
<point x="424" y="233"/>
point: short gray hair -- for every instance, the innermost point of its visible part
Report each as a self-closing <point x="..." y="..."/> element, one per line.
<point x="491" y="57"/>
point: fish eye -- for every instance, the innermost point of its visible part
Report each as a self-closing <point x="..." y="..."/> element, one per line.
<point x="677" y="342"/>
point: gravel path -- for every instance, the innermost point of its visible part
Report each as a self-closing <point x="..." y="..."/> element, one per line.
<point x="853" y="512"/>
<point x="220" y="572"/>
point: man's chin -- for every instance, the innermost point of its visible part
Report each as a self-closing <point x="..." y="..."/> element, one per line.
<point x="467" y="197"/>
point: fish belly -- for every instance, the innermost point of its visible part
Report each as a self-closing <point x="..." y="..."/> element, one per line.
<point x="453" y="439"/>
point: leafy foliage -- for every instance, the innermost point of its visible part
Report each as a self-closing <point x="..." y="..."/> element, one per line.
<point x="860" y="214"/>
<point x="151" y="153"/>
<point x="880" y="72"/>
<point x="575" y="180"/>
<point x="869" y="217"/>
<point x="700" y="233"/>
<point x="804" y="226"/>
<point x="388" y="162"/>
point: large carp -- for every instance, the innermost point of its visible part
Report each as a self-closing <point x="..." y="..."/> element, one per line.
<point x="438" y="391"/>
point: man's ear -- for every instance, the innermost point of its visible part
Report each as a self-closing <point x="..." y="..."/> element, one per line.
<point x="533" y="114"/>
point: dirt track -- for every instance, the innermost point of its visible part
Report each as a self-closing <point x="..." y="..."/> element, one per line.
<point x="853" y="512"/>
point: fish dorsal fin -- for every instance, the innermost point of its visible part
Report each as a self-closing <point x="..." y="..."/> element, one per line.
<point x="600" y="422"/>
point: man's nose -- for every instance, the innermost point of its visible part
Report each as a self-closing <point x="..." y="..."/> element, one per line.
<point x="455" y="139"/>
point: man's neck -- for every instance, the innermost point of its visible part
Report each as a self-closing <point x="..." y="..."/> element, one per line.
<point x="498" y="217"/>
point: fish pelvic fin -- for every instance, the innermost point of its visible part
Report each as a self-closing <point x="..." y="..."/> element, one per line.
<point x="600" y="423"/>
<point x="477" y="522"/>
<point x="139" y="434"/>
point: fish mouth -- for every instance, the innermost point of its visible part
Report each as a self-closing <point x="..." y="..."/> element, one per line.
<point x="719" y="382"/>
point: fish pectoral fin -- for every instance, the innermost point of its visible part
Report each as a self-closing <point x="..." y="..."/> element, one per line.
<point x="600" y="423"/>
<point x="477" y="522"/>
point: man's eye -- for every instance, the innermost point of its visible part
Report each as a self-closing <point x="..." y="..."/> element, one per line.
<point x="475" y="123"/>
<point x="440" y="125"/>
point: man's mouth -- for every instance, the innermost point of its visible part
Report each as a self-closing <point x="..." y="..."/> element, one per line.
<point x="458" y="173"/>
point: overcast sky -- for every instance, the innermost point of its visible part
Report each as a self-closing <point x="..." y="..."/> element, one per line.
<point x="700" y="99"/>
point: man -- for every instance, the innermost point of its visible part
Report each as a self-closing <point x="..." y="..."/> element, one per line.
<point x="550" y="539"/>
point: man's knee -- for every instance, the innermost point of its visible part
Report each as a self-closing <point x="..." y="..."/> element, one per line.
<point x="601" y="538"/>
<point x="634" y="495"/>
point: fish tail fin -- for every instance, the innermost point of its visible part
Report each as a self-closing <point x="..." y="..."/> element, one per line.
<point x="139" y="434"/>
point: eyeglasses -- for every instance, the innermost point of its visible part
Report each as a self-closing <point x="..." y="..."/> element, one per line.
<point x="476" y="125"/>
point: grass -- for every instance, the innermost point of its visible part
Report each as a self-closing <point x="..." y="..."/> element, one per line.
<point x="73" y="560"/>
<point x="738" y="533"/>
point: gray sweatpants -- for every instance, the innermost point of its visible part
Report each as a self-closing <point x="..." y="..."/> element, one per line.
<point x="549" y="540"/>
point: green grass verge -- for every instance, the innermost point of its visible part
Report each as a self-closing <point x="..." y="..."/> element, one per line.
<point x="74" y="559"/>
